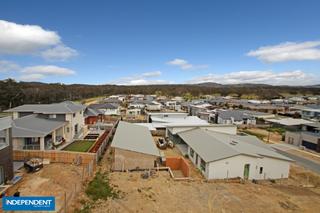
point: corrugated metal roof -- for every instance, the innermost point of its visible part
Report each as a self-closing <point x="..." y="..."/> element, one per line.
<point x="213" y="146"/>
<point x="5" y="123"/>
<point x="34" y="126"/>
<point x="135" y="138"/>
<point x="57" y="108"/>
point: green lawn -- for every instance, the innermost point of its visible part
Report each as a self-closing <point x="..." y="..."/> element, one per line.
<point x="79" y="146"/>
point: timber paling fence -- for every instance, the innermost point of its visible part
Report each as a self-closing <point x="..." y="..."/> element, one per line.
<point x="55" y="156"/>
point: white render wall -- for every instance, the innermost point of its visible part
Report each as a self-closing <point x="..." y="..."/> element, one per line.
<point x="234" y="167"/>
<point x="78" y="119"/>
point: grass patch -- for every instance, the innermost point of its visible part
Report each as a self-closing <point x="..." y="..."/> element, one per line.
<point x="79" y="146"/>
<point x="100" y="188"/>
<point x="260" y="136"/>
<point x="279" y="130"/>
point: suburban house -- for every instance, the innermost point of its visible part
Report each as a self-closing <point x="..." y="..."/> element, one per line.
<point x="92" y="115"/>
<point x="173" y="105"/>
<point x="46" y="126"/>
<point x="6" y="161"/>
<point x="106" y="108"/>
<point x="234" y="117"/>
<point x="195" y="109"/>
<point x="308" y="136"/>
<point x="133" y="148"/>
<point x="138" y="104"/>
<point x="133" y="112"/>
<point x="221" y="156"/>
<point x="153" y="106"/>
<point x="310" y="112"/>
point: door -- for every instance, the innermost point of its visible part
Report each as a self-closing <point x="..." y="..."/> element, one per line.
<point x="246" y="171"/>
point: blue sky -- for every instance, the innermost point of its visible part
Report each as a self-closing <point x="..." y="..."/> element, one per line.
<point x="152" y="42"/>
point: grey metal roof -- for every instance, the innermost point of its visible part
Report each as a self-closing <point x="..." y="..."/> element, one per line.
<point x="213" y="146"/>
<point x="34" y="126"/>
<point x="235" y="114"/>
<point x="104" y="106"/>
<point x="56" y="108"/>
<point x="5" y="123"/>
<point x="135" y="138"/>
<point x="92" y="112"/>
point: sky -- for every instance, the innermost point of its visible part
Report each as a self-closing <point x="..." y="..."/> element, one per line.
<point x="161" y="42"/>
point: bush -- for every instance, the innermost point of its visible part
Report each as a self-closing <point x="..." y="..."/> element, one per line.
<point x="99" y="188"/>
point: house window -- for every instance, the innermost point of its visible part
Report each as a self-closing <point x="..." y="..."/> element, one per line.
<point x="53" y="116"/>
<point x="203" y="165"/>
<point x="165" y="116"/>
<point x="68" y="129"/>
<point x="74" y="114"/>
<point x="191" y="152"/>
<point x="261" y="170"/>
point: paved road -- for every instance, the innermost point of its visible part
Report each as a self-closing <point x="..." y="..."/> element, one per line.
<point x="302" y="161"/>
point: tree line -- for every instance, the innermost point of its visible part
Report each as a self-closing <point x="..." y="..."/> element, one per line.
<point x="14" y="93"/>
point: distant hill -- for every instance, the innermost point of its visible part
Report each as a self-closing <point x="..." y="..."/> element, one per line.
<point x="14" y="93"/>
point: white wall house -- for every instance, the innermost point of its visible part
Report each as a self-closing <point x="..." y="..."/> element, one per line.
<point x="107" y="108"/>
<point x="222" y="156"/>
<point x="133" y="112"/>
<point x="234" y="117"/>
<point x="153" y="106"/>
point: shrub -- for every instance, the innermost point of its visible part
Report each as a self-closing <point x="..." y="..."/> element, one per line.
<point x="99" y="188"/>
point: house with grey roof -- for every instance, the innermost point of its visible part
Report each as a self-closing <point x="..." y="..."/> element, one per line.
<point x="308" y="136"/>
<point x="237" y="117"/>
<point x="46" y="126"/>
<point x="6" y="161"/>
<point x="106" y="108"/>
<point x="220" y="155"/>
<point x="133" y="148"/>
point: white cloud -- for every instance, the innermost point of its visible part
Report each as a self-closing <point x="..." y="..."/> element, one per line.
<point x="32" y="77"/>
<point x="184" y="64"/>
<point x="151" y="74"/>
<point x="59" y="53"/>
<point x="18" y="39"/>
<point x="48" y="70"/>
<point x="21" y="39"/>
<point x="7" y="66"/>
<point x="141" y="79"/>
<point x="289" y="51"/>
<point x="296" y="77"/>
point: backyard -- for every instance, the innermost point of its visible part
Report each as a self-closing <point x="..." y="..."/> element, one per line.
<point x="79" y="146"/>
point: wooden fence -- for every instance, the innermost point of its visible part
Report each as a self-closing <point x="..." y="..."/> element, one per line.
<point x="55" y="156"/>
<point x="106" y="142"/>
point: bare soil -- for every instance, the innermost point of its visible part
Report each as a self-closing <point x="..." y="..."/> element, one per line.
<point x="299" y="193"/>
<point x="54" y="179"/>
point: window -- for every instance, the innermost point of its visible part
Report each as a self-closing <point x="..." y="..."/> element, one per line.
<point x="165" y="116"/>
<point x="261" y="170"/>
<point x="53" y="116"/>
<point x="191" y="152"/>
<point x="203" y="165"/>
<point x="68" y="129"/>
<point x="74" y="114"/>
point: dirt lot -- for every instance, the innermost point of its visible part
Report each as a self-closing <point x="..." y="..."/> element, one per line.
<point x="53" y="180"/>
<point x="162" y="194"/>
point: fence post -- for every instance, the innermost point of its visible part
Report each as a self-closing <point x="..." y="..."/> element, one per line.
<point x="65" y="202"/>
